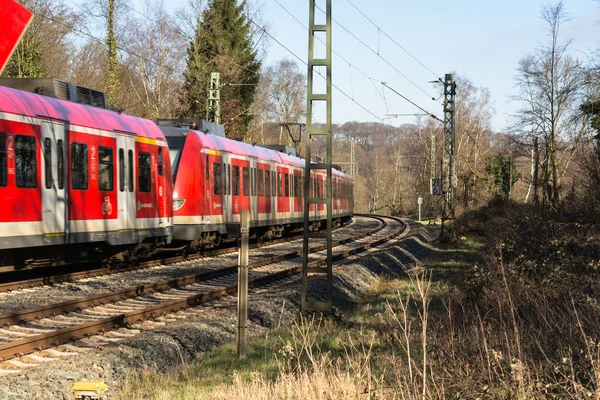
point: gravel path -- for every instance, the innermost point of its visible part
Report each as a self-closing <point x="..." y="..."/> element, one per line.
<point x="192" y="333"/>
<point x="56" y="293"/>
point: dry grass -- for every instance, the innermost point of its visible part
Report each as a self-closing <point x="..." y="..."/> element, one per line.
<point x="523" y="324"/>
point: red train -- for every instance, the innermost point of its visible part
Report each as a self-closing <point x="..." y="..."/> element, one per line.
<point x="78" y="181"/>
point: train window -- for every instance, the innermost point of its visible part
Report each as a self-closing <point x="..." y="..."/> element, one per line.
<point x="287" y="185"/>
<point x="268" y="183"/>
<point x="121" y="170"/>
<point x="25" y="161"/>
<point x="3" y="160"/>
<point x="246" y="180"/>
<point x="144" y="172"/>
<point x="225" y="179"/>
<point x="236" y="180"/>
<point x="253" y="181"/>
<point x="48" y="162"/>
<point x="160" y="161"/>
<point x="207" y="168"/>
<point x="217" y="177"/>
<point x="79" y="166"/>
<point x="296" y="190"/>
<point x="130" y="170"/>
<point x="60" y="163"/>
<point x="274" y="183"/>
<point x="297" y="186"/>
<point x="279" y="184"/>
<point x="228" y="180"/>
<point x="261" y="182"/>
<point x="105" y="169"/>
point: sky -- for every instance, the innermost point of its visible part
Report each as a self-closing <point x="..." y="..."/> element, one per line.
<point x="480" y="40"/>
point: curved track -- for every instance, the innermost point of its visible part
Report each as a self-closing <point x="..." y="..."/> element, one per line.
<point x="60" y="323"/>
<point x="24" y="279"/>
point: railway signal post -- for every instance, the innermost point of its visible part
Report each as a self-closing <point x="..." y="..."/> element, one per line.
<point x="243" y="283"/>
<point x="313" y="99"/>
<point x="213" y="111"/>
<point x="449" y="181"/>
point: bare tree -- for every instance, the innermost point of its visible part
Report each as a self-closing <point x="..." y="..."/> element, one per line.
<point x="157" y="58"/>
<point x="550" y="83"/>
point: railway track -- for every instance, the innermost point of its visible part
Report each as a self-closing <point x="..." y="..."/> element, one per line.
<point x="58" y="324"/>
<point x="17" y="280"/>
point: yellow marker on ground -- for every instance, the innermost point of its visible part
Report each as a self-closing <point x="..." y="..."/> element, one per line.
<point x="89" y="390"/>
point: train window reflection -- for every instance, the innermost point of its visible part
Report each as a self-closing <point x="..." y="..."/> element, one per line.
<point x="79" y="166"/>
<point x="144" y="177"/>
<point x="217" y="177"/>
<point x="25" y="161"/>
<point x="121" y="170"/>
<point x="236" y="180"/>
<point x="105" y="168"/>
<point x="246" y="180"/>
<point x="48" y="162"/>
<point x="60" y="163"/>
<point x="261" y="182"/>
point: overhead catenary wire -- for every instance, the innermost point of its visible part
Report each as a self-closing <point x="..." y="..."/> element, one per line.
<point x="372" y="79"/>
<point x="379" y="31"/>
<point x="379" y="55"/>
<point x="410" y="101"/>
<point x="101" y="41"/>
<point x="305" y="63"/>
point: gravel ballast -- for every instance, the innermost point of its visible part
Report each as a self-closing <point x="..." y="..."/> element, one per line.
<point x="190" y="334"/>
<point x="19" y="300"/>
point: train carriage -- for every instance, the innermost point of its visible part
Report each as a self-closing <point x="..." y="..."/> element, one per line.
<point x="75" y="178"/>
<point x="215" y="178"/>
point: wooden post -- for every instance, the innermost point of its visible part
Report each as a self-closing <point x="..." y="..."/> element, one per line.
<point x="243" y="283"/>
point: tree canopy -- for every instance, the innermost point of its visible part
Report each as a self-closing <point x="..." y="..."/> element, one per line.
<point x="222" y="43"/>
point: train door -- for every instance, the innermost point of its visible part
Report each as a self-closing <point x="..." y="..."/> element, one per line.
<point x="236" y="193"/>
<point x="218" y="190"/>
<point x="279" y="200"/>
<point x="53" y="186"/>
<point x="208" y="190"/>
<point x="226" y="189"/>
<point x="162" y="186"/>
<point x="126" y="205"/>
<point x="253" y="193"/>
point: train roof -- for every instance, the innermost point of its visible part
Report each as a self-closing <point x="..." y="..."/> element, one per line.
<point x="240" y="148"/>
<point x="32" y="105"/>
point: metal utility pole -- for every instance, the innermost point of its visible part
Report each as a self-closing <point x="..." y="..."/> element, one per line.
<point x="352" y="160"/>
<point x="213" y="111"/>
<point x="312" y="98"/>
<point x="295" y="139"/>
<point x="243" y="283"/>
<point x="449" y="181"/>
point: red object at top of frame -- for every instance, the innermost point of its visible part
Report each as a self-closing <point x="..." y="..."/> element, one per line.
<point x="14" y="20"/>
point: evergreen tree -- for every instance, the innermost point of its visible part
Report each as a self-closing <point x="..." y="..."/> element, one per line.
<point x="222" y="43"/>
<point x="26" y="61"/>
<point x="502" y="174"/>
<point x="112" y="74"/>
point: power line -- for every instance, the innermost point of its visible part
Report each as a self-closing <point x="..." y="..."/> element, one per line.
<point x="410" y="101"/>
<point x="382" y="95"/>
<point x="380" y="56"/>
<point x="379" y="30"/>
<point x="305" y="63"/>
<point x="101" y="41"/>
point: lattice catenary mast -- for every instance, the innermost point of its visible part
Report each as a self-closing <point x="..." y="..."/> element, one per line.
<point x="449" y="181"/>
<point x="312" y="98"/>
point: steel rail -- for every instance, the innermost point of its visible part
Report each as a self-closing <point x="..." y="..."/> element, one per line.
<point x="64" y="335"/>
<point x="48" y="275"/>
<point x="72" y="305"/>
